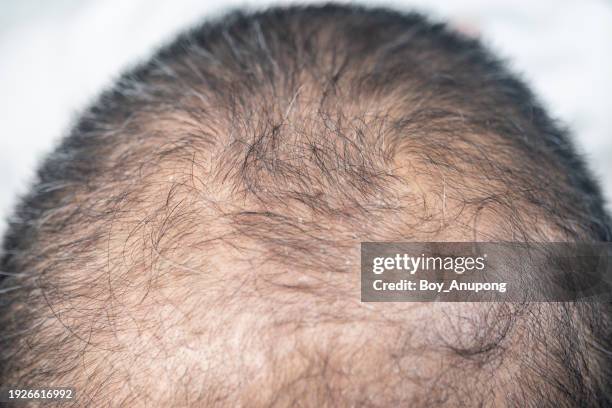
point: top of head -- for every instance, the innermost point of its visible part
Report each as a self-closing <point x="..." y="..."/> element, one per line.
<point x="202" y="221"/>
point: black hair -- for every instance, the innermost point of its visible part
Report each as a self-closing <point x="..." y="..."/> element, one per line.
<point x="285" y="137"/>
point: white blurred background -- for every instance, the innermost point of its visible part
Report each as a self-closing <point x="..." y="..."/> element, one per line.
<point x="55" y="56"/>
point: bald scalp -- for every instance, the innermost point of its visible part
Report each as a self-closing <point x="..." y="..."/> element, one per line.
<point x="195" y="239"/>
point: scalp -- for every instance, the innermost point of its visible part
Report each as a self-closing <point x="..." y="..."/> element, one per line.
<point x="201" y="223"/>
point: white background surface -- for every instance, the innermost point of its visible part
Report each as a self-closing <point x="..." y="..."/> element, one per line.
<point x="55" y="56"/>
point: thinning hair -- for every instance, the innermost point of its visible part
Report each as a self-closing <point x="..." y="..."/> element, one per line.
<point x="194" y="240"/>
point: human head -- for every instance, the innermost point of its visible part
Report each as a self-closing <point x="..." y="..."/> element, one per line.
<point x="194" y="239"/>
